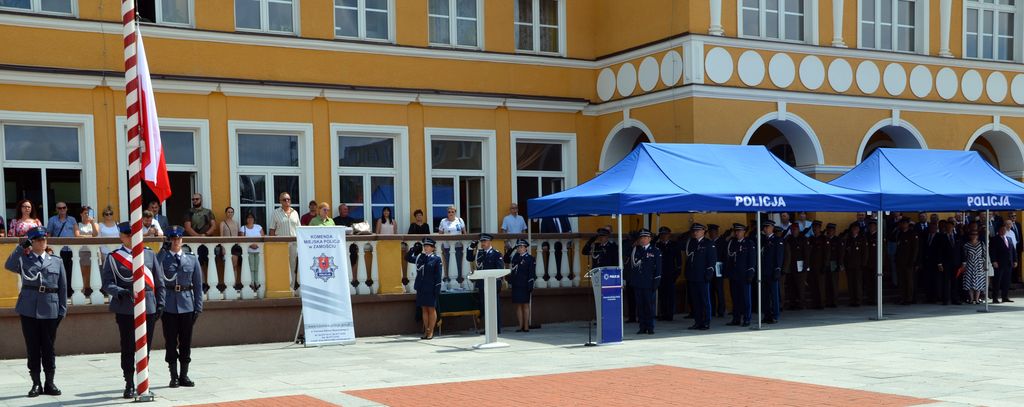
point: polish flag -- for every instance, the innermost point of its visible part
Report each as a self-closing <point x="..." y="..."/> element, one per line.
<point x="154" y="168"/>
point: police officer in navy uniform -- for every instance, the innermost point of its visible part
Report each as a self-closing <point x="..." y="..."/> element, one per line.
<point x="671" y="262"/>
<point x="740" y="268"/>
<point x="42" y="304"/>
<point x="428" y="282"/>
<point x="772" y="256"/>
<point x="603" y="251"/>
<point x="116" y="274"/>
<point x="701" y="256"/>
<point x="645" y="266"/>
<point x="486" y="258"/>
<point x="524" y="272"/>
<point x="183" y="293"/>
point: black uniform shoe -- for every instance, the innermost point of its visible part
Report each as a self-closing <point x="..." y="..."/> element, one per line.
<point x="641" y="331"/>
<point x="1007" y="300"/>
<point x="184" y="381"/>
<point x="36" y="390"/>
<point x="704" y="328"/>
<point x="733" y="323"/>
<point x="995" y="301"/>
<point x="174" y="376"/>
<point x="745" y="323"/>
<point x="694" y="326"/>
<point x="50" y="390"/>
<point x="129" y="391"/>
<point x="650" y="332"/>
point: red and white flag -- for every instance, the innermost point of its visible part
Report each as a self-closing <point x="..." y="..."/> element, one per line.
<point x="154" y="168"/>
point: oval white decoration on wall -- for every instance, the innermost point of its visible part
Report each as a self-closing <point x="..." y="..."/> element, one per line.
<point x="971" y="85"/>
<point x="895" y="79"/>
<point x="946" y="83"/>
<point x="1017" y="89"/>
<point x="751" y="68"/>
<point x="867" y="77"/>
<point x="812" y="72"/>
<point x="626" y="80"/>
<point x="606" y="84"/>
<point x="718" y="65"/>
<point x="995" y="86"/>
<point x="840" y="75"/>
<point x="781" y="70"/>
<point x="671" y="68"/>
<point x="648" y="75"/>
<point x="920" y="81"/>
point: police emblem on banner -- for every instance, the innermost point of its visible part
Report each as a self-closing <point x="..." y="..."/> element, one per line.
<point x="324" y="267"/>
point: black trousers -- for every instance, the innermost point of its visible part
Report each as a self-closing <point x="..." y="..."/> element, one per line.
<point x="666" y="301"/>
<point x="645" y="307"/>
<point x="718" y="295"/>
<point x="1001" y="282"/>
<point x="630" y="297"/>
<point x="178" y="337"/>
<point x="126" y="328"/>
<point x="40" y="335"/>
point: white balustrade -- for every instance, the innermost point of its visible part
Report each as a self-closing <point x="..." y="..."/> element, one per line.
<point x="411" y="273"/>
<point x="361" y="287"/>
<point x="577" y="270"/>
<point x="77" y="283"/>
<point x="374" y="268"/>
<point x="229" y="273"/>
<point x="212" y="280"/>
<point x="95" y="281"/>
<point x="467" y="265"/>
<point x="538" y="267"/>
<point x="245" y="274"/>
<point x="261" y="292"/>
<point x="565" y="281"/>
<point x="550" y="268"/>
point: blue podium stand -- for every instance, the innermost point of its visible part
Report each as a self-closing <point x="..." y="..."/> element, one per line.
<point x="607" y="283"/>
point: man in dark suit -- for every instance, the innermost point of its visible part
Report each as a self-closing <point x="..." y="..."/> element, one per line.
<point x="556" y="225"/>
<point x="933" y="244"/>
<point x="1004" y="260"/>
<point x="950" y="254"/>
<point x="645" y="259"/>
<point x="1015" y="228"/>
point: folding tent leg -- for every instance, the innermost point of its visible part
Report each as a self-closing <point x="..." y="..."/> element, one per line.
<point x="988" y="260"/>
<point x="760" y="305"/>
<point x="878" y="265"/>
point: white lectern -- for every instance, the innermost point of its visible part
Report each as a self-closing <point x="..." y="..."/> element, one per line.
<point x="490" y="277"/>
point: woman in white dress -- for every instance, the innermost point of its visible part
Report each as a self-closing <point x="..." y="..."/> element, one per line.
<point x="251" y="229"/>
<point x="451" y="225"/>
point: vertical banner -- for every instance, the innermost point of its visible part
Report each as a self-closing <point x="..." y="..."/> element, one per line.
<point x="324" y="275"/>
<point x="607" y="282"/>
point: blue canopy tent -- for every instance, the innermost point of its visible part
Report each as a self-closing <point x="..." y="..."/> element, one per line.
<point x="939" y="180"/>
<point x="671" y="178"/>
<point x="667" y="178"/>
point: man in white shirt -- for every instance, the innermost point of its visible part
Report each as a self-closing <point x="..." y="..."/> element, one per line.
<point x="512" y="223"/>
<point x="284" y="222"/>
<point x="150" y="228"/>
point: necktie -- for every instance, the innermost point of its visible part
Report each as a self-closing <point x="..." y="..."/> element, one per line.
<point x="1006" y="242"/>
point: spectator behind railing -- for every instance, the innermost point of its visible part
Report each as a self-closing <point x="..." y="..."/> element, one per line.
<point x="87" y="227"/>
<point x="251" y="229"/>
<point x="452" y="225"/>
<point x="323" y="216"/>
<point x="419" y="226"/>
<point x="63" y="225"/>
<point x="308" y="217"/>
<point x="229" y="227"/>
<point x="512" y="223"/>
<point x="26" y="219"/>
<point x="107" y="228"/>
<point x="386" y="224"/>
<point x="150" y="228"/>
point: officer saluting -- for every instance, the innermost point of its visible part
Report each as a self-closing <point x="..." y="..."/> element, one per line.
<point x="740" y="268"/>
<point x="486" y="258"/>
<point x="42" y="304"/>
<point x="602" y="251"/>
<point x="524" y="272"/>
<point x="183" y="293"/>
<point x="701" y="256"/>
<point x="116" y="274"/>
<point x="645" y="277"/>
<point x="428" y="282"/>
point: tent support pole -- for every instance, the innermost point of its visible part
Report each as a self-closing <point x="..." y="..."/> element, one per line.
<point x="760" y="305"/>
<point x="878" y="264"/>
<point x="622" y="269"/>
<point x="988" y="259"/>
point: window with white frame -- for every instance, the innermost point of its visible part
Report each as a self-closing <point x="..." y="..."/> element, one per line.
<point x="271" y="16"/>
<point x="990" y="29"/>
<point x="42" y="163"/>
<point x="785" y="20"/>
<point x="165" y="12"/>
<point x="540" y="26"/>
<point x="366" y="174"/>
<point x="891" y="25"/>
<point x="455" y="22"/>
<point x="540" y="170"/>
<point x="57" y="7"/>
<point x="268" y="163"/>
<point x="363" y="19"/>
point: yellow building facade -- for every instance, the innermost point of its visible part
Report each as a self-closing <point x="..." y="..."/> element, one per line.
<point x="422" y="104"/>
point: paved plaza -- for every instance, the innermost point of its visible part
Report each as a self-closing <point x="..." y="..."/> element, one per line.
<point x="923" y="354"/>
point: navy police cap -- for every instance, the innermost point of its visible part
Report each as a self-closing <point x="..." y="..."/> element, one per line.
<point x="486" y="236"/>
<point x="37" y="232"/>
<point x="125" y="228"/>
<point x="697" y="226"/>
<point x="428" y="242"/>
<point x="175" y="231"/>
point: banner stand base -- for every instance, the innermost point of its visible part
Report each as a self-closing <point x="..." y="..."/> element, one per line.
<point x="298" y="327"/>
<point x="491" y="345"/>
<point x="143" y="398"/>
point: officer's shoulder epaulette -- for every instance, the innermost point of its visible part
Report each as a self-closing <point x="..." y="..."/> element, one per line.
<point x="191" y="254"/>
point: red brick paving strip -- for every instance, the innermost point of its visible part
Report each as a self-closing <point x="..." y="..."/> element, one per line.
<point x="285" y="401"/>
<point x="640" y="386"/>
